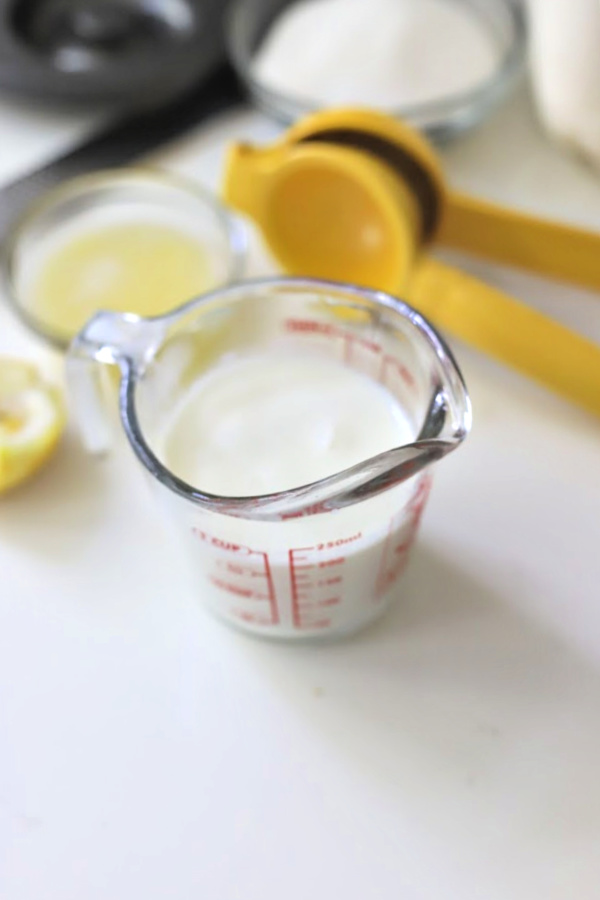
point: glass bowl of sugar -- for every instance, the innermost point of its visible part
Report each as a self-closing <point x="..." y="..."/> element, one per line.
<point x="441" y="65"/>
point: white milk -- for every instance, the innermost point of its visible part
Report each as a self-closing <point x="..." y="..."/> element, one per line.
<point x="381" y="53"/>
<point x="266" y="423"/>
<point x="272" y="422"/>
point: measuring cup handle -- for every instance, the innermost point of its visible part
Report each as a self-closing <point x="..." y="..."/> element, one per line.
<point x="87" y="393"/>
<point x="510" y="331"/>
<point x="516" y="239"/>
<point x="108" y="339"/>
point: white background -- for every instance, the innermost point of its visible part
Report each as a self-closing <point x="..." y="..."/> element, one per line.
<point x="451" y="751"/>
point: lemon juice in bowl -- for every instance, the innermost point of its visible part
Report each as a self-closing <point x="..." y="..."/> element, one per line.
<point x="132" y="240"/>
<point x="149" y="263"/>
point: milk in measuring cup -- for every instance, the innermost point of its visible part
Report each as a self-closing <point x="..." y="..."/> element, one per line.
<point x="273" y="421"/>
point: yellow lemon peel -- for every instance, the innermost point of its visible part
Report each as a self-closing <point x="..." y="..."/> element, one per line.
<point x="32" y="419"/>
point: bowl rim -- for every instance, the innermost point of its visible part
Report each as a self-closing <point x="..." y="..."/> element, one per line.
<point x="450" y="115"/>
<point x="80" y="185"/>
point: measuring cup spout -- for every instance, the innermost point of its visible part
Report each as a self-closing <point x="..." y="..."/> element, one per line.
<point x="446" y="424"/>
<point x="363" y="481"/>
<point x="115" y="339"/>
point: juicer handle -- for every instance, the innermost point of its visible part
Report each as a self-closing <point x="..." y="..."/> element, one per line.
<point x="547" y="248"/>
<point x="245" y="180"/>
<point x="509" y="330"/>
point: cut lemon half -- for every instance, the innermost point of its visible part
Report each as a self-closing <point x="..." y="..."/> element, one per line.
<point x="32" y="419"/>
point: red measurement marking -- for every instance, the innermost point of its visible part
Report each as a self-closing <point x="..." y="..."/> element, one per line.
<point x="306" y="511"/>
<point x="251" y="617"/>
<point x="272" y="596"/>
<point x="392" y="365"/>
<point x="293" y="567"/>
<point x="310" y="590"/>
<point x="310" y="326"/>
<point x="332" y="562"/>
<point x="369" y="345"/>
<point x="239" y="569"/>
<point x="331" y="545"/>
<point x="235" y="569"/>
<point x="315" y="623"/>
<point x="237" y="589"/>
<point x="247" y="565"/>
<point x="354" y="343"/>
<point x="220" y="544"/>
<point x="330" y="601"/>
<point x="389" y="364"/>
<point x="382" y="576"/>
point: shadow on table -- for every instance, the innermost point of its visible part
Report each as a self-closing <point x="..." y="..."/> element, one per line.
<point x="454" y="697"/>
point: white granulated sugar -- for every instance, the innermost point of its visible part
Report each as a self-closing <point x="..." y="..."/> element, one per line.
<point x="380" y="53"/>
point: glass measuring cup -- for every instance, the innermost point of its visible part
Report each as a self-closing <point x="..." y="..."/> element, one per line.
<point x="319" y="560"/>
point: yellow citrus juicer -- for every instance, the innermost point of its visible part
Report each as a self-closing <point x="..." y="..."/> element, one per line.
<point x="358" y="196"/>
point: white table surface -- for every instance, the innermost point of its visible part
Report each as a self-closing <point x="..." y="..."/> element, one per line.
<point x="451" y="752"/>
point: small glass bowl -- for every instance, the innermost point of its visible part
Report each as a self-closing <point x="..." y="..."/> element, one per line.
<point x="118" y="195"/>
<point x="249" y="22"/>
